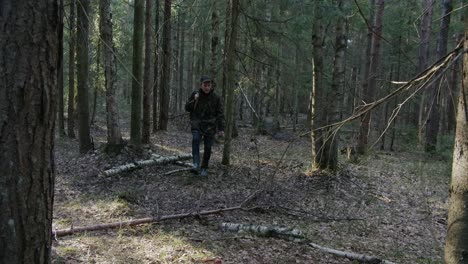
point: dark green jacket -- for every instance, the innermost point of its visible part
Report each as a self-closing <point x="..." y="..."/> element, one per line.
<point x="206" y="113"/>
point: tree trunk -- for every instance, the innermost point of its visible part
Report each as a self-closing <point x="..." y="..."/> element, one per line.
<point x="318" y="92"/>
<point x="137" y="79"/>
<point x="453" y="92"/>
<point x="156" y="67"/>
<point x="147" y="78"/>
<point x="82" y="67"/>
<point x="456" y="245"/>
<point x="214" y="40"/>
<point x="432" y="129"/>
<point x="114" y="136"/>
<point x="71" y="72"/>
<point x="182" y="95"/>
<point x="426" y="27"/>
<point x="61" y="121"/>
<point x="166" y="65"/>
<point x="370" y="88"/>
<point x="28" y="94"/>
<point x="338" y="77"/>
<point x="230" y="81"/>
<point x="96" y="83"/>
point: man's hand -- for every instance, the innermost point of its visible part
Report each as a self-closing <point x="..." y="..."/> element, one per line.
<point x="196" y="96"/>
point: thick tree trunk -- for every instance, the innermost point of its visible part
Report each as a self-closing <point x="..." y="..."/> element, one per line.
<point x="137" y="78"/>
<point x="71" y="72"/>
<point x="370" y="90"/>
<point x="114" y="136"/>
<point x="147" y="78"/>
<point x="456" y="245"/>
<point x="166" y="64"/>
<point x="28" y="92"/>
<point x="82" y="66"/>
<point x="230" y="81"/>
<point x="432" y="129"/>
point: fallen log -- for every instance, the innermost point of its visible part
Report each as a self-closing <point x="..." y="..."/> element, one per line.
<point x="296" y="235"/>
<point x="265" y="231"/>
<point x="156" y="160"/>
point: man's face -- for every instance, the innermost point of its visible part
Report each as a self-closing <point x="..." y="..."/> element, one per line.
<point x="206" y="86"/>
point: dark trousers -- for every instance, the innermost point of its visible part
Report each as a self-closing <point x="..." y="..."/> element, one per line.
<point x="207" y="142"/>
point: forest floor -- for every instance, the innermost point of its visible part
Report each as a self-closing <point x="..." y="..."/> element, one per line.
<point x="388" y="204"/>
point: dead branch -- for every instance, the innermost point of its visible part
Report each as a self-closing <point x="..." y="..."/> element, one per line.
<point x="297" y="236"/>
<point x="74" y="230"/>
<point x="156" y="160"/>
<point x="176" y="171"/>
<point x="147" y="220"/>
<point x="351" y="255"/>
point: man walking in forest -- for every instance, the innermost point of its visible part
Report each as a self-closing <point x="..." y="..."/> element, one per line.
<point x="206" y="119"/>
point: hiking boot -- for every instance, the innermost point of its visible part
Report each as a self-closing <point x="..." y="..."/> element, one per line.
<point x="194" y="168"/>
<point x="203" y="172"/>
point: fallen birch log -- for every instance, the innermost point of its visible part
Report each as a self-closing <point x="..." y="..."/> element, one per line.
<point x="265" y="231"/>
<point x="156" y="160"/>
<point x="184" y="164"/>
<point x="296" y="235"/>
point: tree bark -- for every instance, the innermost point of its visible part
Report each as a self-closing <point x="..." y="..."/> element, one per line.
<point x="28" y="93"/>
<point x="114" y="136"/>
<point x="166" y="64"/>
<point x="147" y="78"/>
<point x="82" y="67"/>
<point x="456" y="245"/>
<point x="137" y="79"/>
<point x="230" y="82"/>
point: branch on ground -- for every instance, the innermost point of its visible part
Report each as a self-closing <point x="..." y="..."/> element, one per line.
<point x="157" y="219"/>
